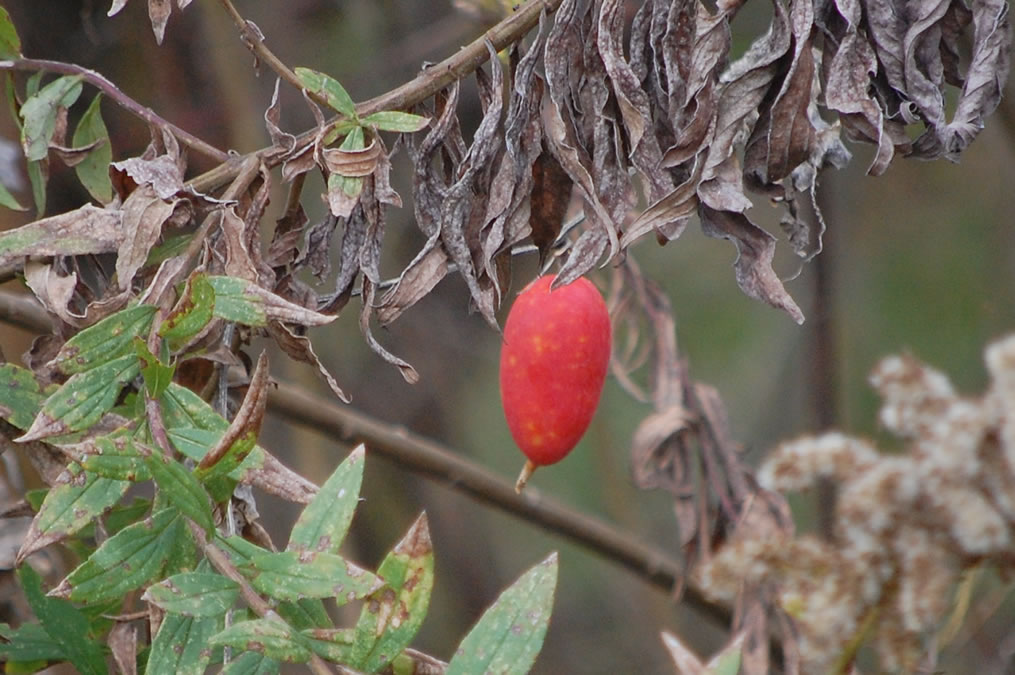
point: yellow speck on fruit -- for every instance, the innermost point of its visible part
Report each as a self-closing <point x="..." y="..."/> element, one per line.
<point x="536" y="439"/>
<point x="512" y="360"/>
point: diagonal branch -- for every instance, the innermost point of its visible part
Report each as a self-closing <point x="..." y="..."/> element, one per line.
<point x="113" y="92"/>
<point x="463" y="62"/>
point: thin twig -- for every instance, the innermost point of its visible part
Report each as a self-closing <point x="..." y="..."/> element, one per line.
<point x="112" y="91"/>
<point x="252" y="37"/>
<point x="417" y="90"/>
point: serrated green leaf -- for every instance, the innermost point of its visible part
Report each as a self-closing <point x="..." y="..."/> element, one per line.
<point x="193" y="311"/>
<point x="247" y="303"/>
<point x="181" y="645"/>
<point x="194" y="594"/>
<point x="10" y="43"/>
<point x="251" y="663"/>
<point x="117" y="457"/>
<point x="329" y="89"/>
<point x="157" y="375"/>
<point x="392" y="615"/>
<point x="93" y="170"/>
<point x="29" y="642"/>
<point x="20" y="396"/>
<point x="83" y="399"/>
<point x="285" y="576"/>
<point x="127" y="560"/>
<point x="510" y="633"/>
<point x="394" y="120"/>
<point x="7" y="199"/>
<point x="40" y="111"/>
<point x="182" y="489"/>
<point x="71" y="506"/>
<point x="65" y="622"/>
<point x="325" y="520"/>
<point x="105" y="341"/>
<point x="221" y="479"/>
<point x="270" y="637"/>
<point x="333" y="644"/>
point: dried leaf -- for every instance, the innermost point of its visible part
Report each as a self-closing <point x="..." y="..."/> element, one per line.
<point x="144" y="214"/>
<point x="755" y="250"/>
<point x="246" y="424"/>
<point x="300" y="348"/>
<point x="86" y="230"/>
<point x="163" y="173"/>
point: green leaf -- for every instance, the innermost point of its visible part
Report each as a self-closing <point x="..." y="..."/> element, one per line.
<point x="333" y="644"/>
<point x="270" y="637"/>
<point x="93" y="170"/>
<point x="193" y="311"/>
<point x="157" y="375"/>
<point x="40" y="113"/>
<point x="510" y="633"/>
<point x="728" y="661"/>
<point x="325" y="520"/>
<point x="393" y="120"/>
<point x="239" y="549"/>
<point x="251" y="663"/>
<point x="181" y="645"/>
<point x="70" y="506"/>
<point x="183" y="409"/>
<point x="83" y="399"/>
<point x="20" y="395"/>
<point x="247" y="303"/>
<point x="117" y="457"/>
<point x="29" y="642"/>
<point x="169" y="248"/>
<point x="305" y="613"/>
<point x="63" y="622"/>
<point x="10" y="43"/>
<point x="194" y="594"/>
<point x="392" y="615"/>
<point x="182" y="489"/>
<point x="38" y="175"/>
<point x="329" y="89"/>
<point x="127" y="560"/>
<point x="105" y="341"/>
<point x="122" y="515"/>
<point x="285" y="576"/>
<point x="6" y="198"/>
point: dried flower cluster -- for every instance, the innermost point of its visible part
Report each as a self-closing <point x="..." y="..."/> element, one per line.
<point x="906" y="526"/>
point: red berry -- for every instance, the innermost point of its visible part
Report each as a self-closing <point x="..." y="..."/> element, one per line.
<point x="552" y="366"/>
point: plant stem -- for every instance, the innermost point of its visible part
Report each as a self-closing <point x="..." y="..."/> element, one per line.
<point x="420" y="88"/>
<point x="112" y="91"/>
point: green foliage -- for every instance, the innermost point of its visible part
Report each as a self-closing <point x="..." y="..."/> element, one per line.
<point x="328" y="89"/>
<point x="510" y="634"/>
<point x="93" y="170"/>
<point x="10" y="43"/>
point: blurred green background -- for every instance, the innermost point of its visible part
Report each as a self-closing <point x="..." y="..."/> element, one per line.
<point x="919" y="260"/>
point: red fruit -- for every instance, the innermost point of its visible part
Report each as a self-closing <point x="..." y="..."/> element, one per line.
<point x="552" y="367"/>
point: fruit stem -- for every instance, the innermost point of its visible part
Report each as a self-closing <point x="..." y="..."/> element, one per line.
<point x="525" y="475"/>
